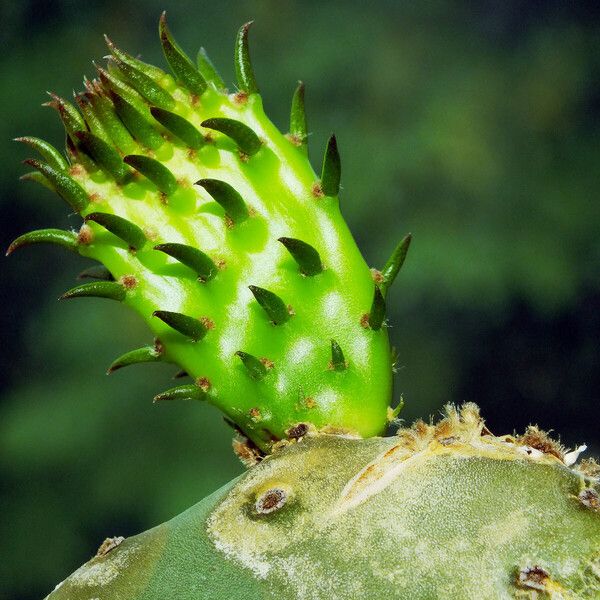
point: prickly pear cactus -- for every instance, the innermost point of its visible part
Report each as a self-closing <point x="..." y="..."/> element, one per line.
<point x="212" y="225"/>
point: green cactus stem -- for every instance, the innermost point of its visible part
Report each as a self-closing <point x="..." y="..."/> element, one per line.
<point x="212" y="225"/>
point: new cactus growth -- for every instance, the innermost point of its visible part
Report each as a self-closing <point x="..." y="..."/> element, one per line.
<point x="212" y="225"/>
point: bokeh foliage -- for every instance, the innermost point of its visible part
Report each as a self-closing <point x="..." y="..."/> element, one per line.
<point x="473" y="125"/>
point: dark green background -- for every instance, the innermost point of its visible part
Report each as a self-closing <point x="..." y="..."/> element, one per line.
<point x="473" y="125"/>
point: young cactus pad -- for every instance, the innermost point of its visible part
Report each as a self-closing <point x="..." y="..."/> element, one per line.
<point x="213" y="226"/>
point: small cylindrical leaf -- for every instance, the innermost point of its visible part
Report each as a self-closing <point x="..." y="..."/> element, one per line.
<point x="243" y="65"/>
<point x="58" y="237"/>
<point x="96" y="272"/>
<point x="298" y="127"/>
<point x="97" y="289"/>
<point x="191" y="257"/>
<point x="64" y="184"/>
<point x="304" y="254"/>
<point x="394" y="264"/>
<point x="152" y="71"/>
<point x="245" y="138"/>
<point x="137" y="124"/>
<point x="47" y="151"/>
<point x="332" y="169"/>
<point x="183" y="68"/>
<point x="103" y="154"/>
<point x="91" y="119"/>
<point x="338" y="362"/>
<point x="182" y="392"/>
<point x="377" y="312"/>
<point x="179" y="127"/>
<point x="69" y="115"/>
<point x="140" y="81"/>
<point x="188" y="326"/>
<point x="155" y="171"/>
<point x="256" y="369"/>
<point x="146" y="354"/>
<point x="208" y="70"/>
<point x="231" y="201"/>
<point x="272" y="304"/>
<point x="129" y="232"/>
<point x="106" y="114"/>
<point x="37" y="177"/>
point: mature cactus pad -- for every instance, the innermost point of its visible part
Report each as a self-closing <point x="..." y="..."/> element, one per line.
<point x="437" y="512"/>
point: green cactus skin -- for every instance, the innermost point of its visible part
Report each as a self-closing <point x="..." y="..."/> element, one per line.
<point x="437" y="512"/>
<point x="213" y="226"/>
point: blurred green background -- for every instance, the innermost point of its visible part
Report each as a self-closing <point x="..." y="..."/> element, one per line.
<point x="473" y="125"/>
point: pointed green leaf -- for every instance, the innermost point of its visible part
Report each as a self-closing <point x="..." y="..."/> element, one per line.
<point x="272" y="304"/>
<point x="254" y="366"/>
<point x="47" y="151"/>
<point x="243" y="64"/>
<point x="64" y="184"/>
<point x="298" y="128"/>
<point x="338" y="362"/>
<point x="59" y="237"/>
<point x="152" y="71"/>
<point x="137" y="124"/>
<point x="231" y="201"/>
<point x="394" y="264"/>
<point x="96" y="272"/>
<point x="106" y="115"/>
<point x="97" y="289"/>
<point x="91" y="119"/>
<point x="69" y="115"/>
<point x="245" y="138"/>
<point x="208" y="70"/>
<point x="304" y="254"/>
<point x="37" y="177"/>
<point x="129" y="232"/>
<point x="179" y="127"/>
<point x="183" y="68"/>
<point x="154" y="170"/>
<point x="191" y="257"/>
<point x="188" y="326"/>
<point x="182" y="392"/>
<point x="332" y="169"/>
<point x="145" y="354"/>
<point x="132" y="110"/>
<point x="377" y="312"/>
<point x="396" y="411"/>
<point x="140" y="81"/>
<point x="104" y="155"/>
<point x="112" y="83"/>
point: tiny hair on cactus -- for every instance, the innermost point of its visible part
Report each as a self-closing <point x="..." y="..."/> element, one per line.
<point x="213" y="226"/>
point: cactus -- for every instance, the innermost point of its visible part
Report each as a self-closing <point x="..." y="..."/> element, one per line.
<point x="212" y="225"/>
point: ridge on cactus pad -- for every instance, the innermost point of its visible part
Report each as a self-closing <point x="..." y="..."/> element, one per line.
<point x="212" y="225"/>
